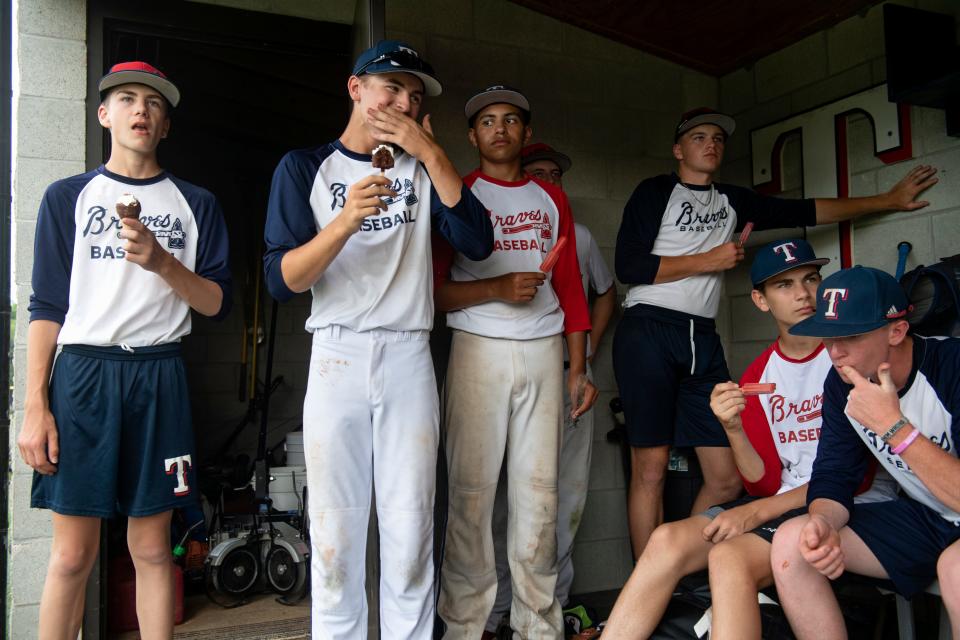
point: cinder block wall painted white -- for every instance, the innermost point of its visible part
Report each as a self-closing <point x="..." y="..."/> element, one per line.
<point x="48" y="143"/>
<point x="819" y="69"/>
<point x="612" y="109"/>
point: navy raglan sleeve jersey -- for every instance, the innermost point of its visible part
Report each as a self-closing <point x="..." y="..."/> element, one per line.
<point x="767" y="212"/>
<point x="290" y="220"/>
<point x="213" y="242"/>
<point x="642" y="217"/>
<point x="842" y="457"/>
<point x="466" y="225"/>
<point x="941" y="367"/>
<point x="53" y="249"/>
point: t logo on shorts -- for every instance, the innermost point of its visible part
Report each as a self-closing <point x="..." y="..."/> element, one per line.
<point x="833" y="296"/>
<point x="179" y="465"/>
<point x="785" y="250"/>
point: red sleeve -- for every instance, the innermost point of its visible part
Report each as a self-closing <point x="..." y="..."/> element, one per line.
<point x="442" y="259"/>
<point x="757" y="429"/>
<point x="565" y="279"/>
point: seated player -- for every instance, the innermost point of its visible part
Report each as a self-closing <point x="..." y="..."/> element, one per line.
<point x="890" y="397"/>
<point x="774" y="440"/>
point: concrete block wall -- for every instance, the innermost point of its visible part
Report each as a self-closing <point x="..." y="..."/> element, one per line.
<point x="612" y="109"/>
<point x="821" y="68"/>
<point x="48" y="143"/>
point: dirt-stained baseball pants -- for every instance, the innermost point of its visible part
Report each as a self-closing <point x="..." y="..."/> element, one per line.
<point x="572" y="485"/>
<point x="502" y="398"/>
<point x="371" y="419"/>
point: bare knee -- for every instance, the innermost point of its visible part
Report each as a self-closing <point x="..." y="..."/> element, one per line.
<point x="665" y="546"/>
<point x="785" y="551"/>
<point x="725" y="487"/>
<point x="948" y="573"/>
<point x="152" y="552"/>
<point x="649" y="466"/>
<point x="72" y="559"/>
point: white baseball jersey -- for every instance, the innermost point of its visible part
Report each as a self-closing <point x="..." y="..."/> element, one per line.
<point x="528" y="217"/>
<point x="930" y="401"/>
<point x="665" y="217"/>
<point x="81" y="279"/>
<point x="784" y="426"/>
<point x="382" y="278"/>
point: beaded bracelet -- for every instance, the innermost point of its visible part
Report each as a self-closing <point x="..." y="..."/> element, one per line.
<point x="900" y="448"/>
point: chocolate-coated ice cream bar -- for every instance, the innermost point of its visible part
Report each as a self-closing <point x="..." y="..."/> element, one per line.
<point x="382" y="157"/>
<point x="128" y="207"/>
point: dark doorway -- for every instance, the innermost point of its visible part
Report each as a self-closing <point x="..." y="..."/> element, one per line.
<point x="253" y="87"/>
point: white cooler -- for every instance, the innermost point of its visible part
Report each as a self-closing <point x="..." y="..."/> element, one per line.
<point x="286" y="487"/>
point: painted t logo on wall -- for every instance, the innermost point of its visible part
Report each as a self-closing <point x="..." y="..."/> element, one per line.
<point x="833" y="296"/>
<point x="824" y="156"/>
<point x="179" y="466"/>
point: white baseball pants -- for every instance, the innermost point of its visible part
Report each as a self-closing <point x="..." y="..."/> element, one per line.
<point x="502" y="399"/>
<point x="572" y="484"/>
<point x="371" y="419"/>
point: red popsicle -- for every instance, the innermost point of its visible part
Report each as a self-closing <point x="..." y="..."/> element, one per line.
<point x="756" y="388"/>
<point x="747" y="228"/>
<point x="554" y="255"/>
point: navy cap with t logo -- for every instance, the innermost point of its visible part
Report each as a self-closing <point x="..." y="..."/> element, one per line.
<point x="854" y="301"/>
<point x="393" y="56"/>
<point x="780" y="256"/>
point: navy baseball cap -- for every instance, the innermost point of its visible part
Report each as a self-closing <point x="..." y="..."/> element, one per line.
<point x="140" y="73"/>
<point x="542" y="151"/>
<point x="392" y="56"/>
<point x="854" y="301"/>
<point x="782" y="255"/>
<point x="493" y="95"/>
<point x="704" y="115"/>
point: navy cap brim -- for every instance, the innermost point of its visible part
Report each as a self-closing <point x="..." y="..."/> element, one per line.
<point x="819" y="262"/>
<point x="813" y="327"/>
<point x="166" y="88"/>
<point x="431" y="86"/>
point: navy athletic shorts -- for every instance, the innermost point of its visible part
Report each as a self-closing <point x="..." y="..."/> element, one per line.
<point x="765" y="530"/>
<point x="907" y="537"/>
<point x="666" y="363"/>
<point x="126" y="439"/>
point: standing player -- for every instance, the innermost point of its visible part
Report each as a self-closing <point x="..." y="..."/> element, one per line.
<point x="892" y="397"/>
<point x="674" y="244"/>
<point x="542" y="162"/>
<point x="503" y="392"/>
<point x="774" y="441"/>
<point x="111" y="432"/>
<point x="359" y="240"/>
